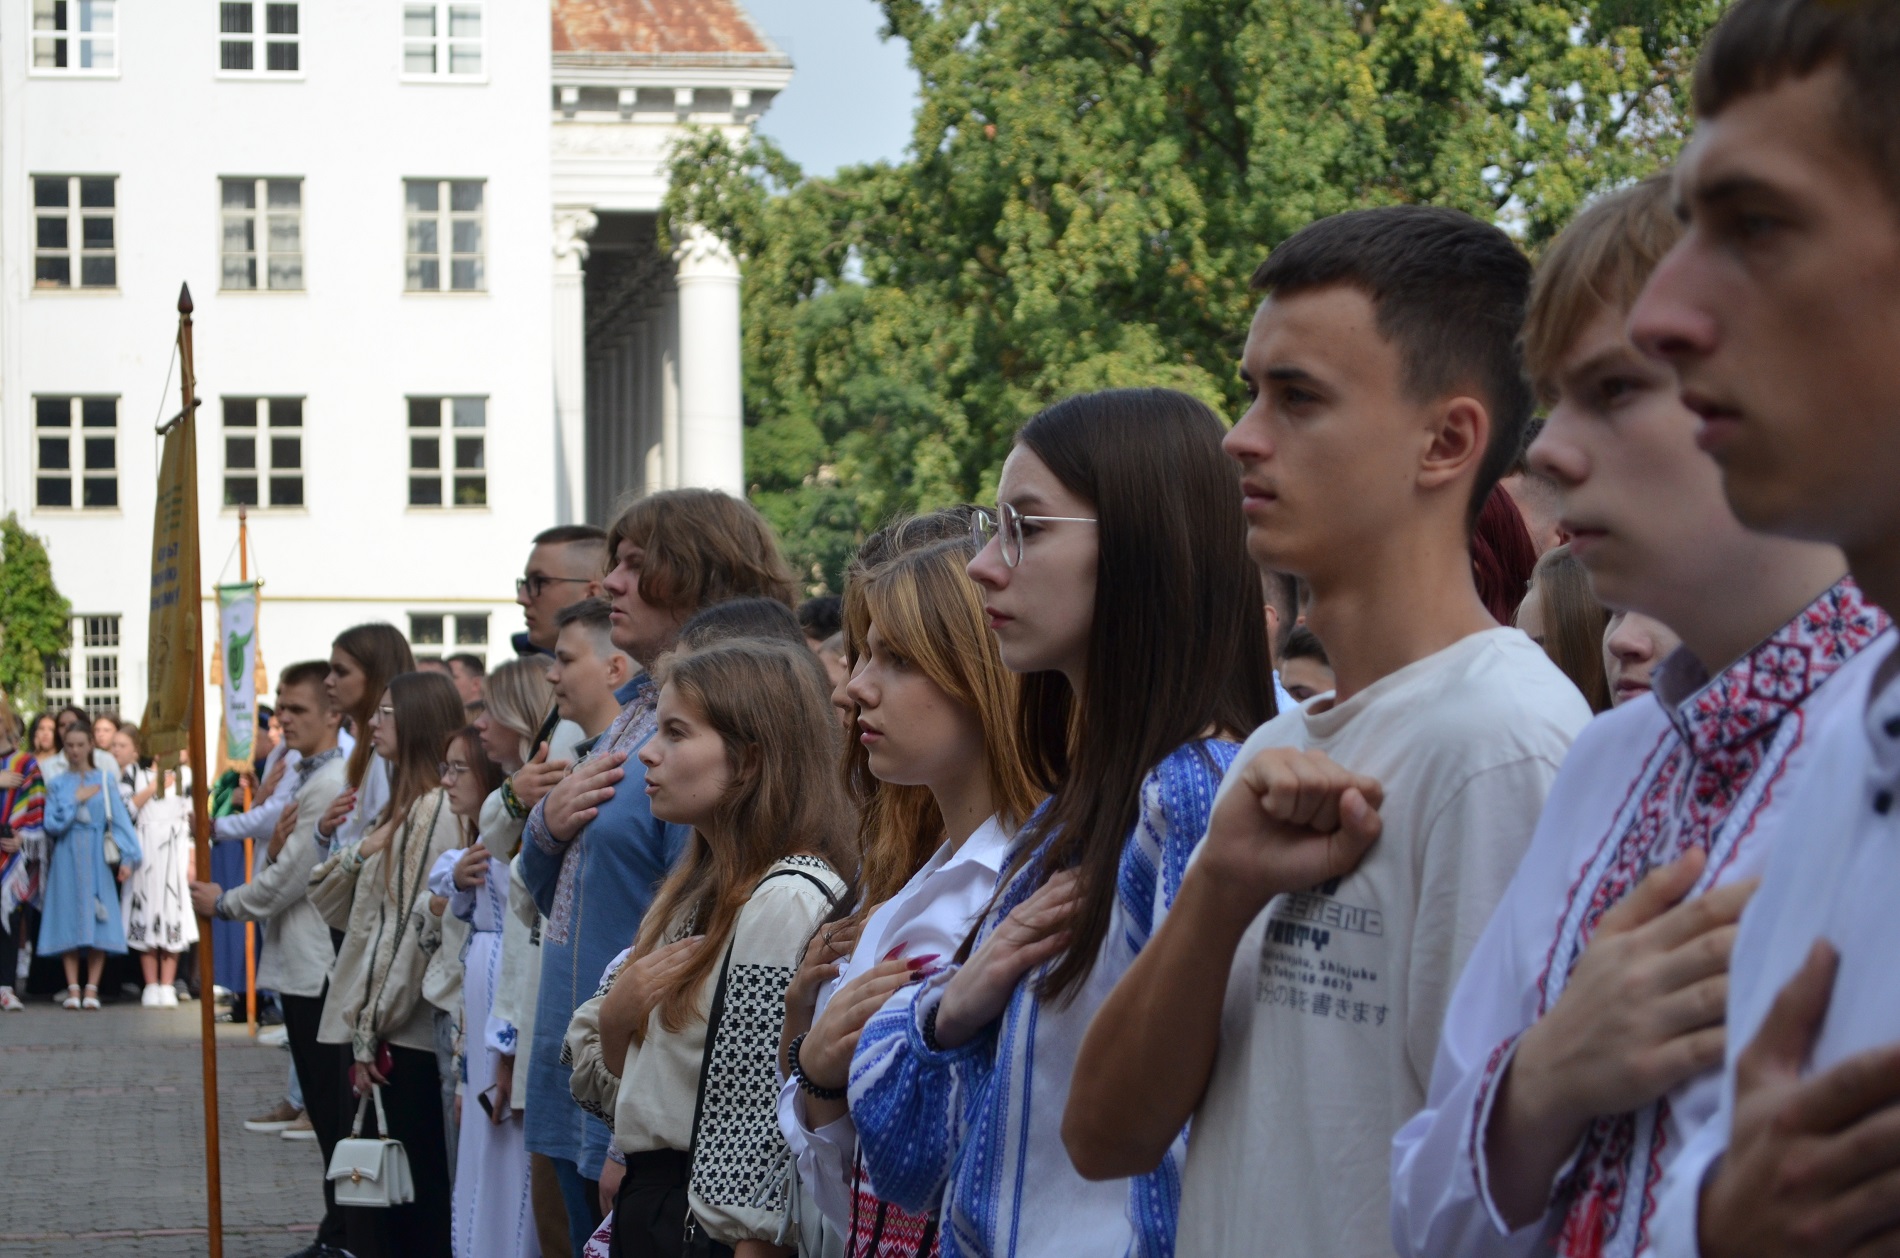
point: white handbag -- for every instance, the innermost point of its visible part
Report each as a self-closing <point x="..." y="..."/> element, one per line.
<point x="372" y="1171"/>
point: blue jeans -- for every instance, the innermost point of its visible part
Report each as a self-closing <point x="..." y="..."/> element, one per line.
<point x="582" y="1196"/>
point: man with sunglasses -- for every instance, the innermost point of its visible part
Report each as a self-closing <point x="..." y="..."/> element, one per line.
<point x="564" y="568"/>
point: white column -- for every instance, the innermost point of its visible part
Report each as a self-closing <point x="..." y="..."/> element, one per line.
<point x="571" y="227"/>
<point x="711" y="429"/>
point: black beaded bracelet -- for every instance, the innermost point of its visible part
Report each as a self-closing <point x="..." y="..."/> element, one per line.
<point x="930" y="1029"/>
<point x="804" y="1080"/>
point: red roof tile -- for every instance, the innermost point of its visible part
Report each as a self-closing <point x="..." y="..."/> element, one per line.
<point x="655" y="26"/>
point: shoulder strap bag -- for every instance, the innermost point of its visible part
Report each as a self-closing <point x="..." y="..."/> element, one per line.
<point x="374" y="1170"/>
<point x="699" y="1242"/>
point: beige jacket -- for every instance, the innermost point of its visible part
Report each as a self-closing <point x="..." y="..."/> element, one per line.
<point x="376" y="991"/>
<point x="298" y="955"/>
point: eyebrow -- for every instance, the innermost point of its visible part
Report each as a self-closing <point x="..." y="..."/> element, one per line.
<point x="1729" y="188"/>
<point x="1287" y="373"/>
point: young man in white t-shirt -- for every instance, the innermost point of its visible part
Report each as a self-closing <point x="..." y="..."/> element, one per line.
<point x="1291" y="1003"/>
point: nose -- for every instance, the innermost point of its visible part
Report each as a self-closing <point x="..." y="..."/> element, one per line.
<point x="1554" y="455"/>
<point x="1247" y="442"/>
<point x="1669" y="320"/>
<point x="987" y="569"/>
<point x="649" y="754"/>
<point x="521" y="597"/>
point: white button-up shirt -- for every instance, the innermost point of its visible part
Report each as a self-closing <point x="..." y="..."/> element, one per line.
<point x="1833" y="878"/>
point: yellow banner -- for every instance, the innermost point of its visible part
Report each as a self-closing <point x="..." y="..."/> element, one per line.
<point x="175" y="641"/>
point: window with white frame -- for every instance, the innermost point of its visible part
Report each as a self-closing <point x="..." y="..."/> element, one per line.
<point x="75" y="231"/>
<point x="443" y="249"/>
<point x="441" y="38"/>
<point x="259" y="37"/>
<point x="92" y="660"/>
<point x="263" y="451"/>
<point x="77" y="36"/>
<point x="76" y="452"/>
<point x="263" y="233"/>
<point x="467" y="630"/>
<point x="447" y="452"/>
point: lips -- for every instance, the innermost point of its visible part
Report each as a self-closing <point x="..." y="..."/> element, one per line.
<point x="997" y="619"/>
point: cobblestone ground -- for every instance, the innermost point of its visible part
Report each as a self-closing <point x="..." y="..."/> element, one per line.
<point x="102" y="1138"/>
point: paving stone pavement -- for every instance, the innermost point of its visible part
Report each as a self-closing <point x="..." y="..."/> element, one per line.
<point x="102" y="1138"/>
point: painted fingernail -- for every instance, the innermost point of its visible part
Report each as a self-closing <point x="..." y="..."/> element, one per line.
<point x="892" y="954"/>
<point x="918" y="963"/>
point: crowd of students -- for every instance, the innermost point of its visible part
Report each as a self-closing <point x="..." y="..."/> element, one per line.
<point x="1017" y="905"/>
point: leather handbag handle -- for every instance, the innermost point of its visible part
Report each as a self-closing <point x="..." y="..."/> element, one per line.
<point x="375" y="1094"/>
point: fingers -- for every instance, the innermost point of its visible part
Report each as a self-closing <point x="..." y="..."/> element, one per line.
<point x="1843" y="1094"/>
<point x="1694" y="1006"/>
<point x="1700" y="958"/>
<point x="1788" y="1032"/>
<point x="1718" y="908"/>
<point x="1659" y="890"/>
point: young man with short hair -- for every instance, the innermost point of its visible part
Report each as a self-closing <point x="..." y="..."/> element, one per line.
<point x="1583" y="1043"/>
<point x="467" y="672"/>
<point x="298" y="953"/>
<point x="588" y="670"/>
<point x="1290" y="1001"/>
<point x="1779" y="310"/>
<point x="592" y="853"/>
<point x="564" y="567"/>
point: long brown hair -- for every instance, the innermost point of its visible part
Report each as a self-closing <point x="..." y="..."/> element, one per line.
<point x="381" y="652"/>
<point x="902" y="818"/>
<point x="768" y="704"/>
<point x="929" y="611"/>
<point x="1573" y="622"/>
<point x="1177" y="643"/>
<point x="428" y="709"/>
<point x="486" y="772"/>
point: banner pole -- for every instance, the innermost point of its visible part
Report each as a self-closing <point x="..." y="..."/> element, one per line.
<point x="250" y="928"/>
<point x="201" y="824"/>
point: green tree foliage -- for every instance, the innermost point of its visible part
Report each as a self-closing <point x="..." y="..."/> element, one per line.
<point x="35" y="621"/>
<point x="1090" y="185"/>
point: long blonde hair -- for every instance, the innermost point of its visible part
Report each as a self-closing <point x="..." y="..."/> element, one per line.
<point x="767" y="702"/>
<point x="928" y="610"/>
<point x="519" y="695"/>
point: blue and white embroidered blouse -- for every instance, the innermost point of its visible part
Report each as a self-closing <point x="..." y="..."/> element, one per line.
<point x="977" y="1130"/>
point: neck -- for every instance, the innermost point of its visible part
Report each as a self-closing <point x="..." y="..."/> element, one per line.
<point x="1394" y="606"/>
<point x="1728" y="619"/>
<point x="964" y="801"/>
<point x="1877" y="568"/>
<point x="317" y="748"/>
<point x="596" y="718"/>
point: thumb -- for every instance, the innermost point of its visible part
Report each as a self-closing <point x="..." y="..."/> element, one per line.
<point x="1781" y="1047"/>
<point x="1359" y="818"/>
<point x="1658" y="892"/>
<point x="540" y="754"/>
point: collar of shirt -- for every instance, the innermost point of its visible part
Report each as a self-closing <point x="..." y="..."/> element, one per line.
<point x="310" y="764"/>
<point x="1882" y="719"/>
<point x="1774" y="679"/>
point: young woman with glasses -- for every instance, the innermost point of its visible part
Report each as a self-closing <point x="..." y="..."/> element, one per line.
<point x="375" y="1008"/>
<point x="1117" y="582"/>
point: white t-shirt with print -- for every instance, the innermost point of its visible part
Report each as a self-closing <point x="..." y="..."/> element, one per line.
<point x="1336" y="996"/>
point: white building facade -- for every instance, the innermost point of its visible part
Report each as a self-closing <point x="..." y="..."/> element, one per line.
<point x="388" y="245"/>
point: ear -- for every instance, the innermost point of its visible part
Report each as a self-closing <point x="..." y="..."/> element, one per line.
<point x="1459" y="434"/>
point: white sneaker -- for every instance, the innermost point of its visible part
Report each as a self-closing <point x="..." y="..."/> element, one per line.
<point x="9" y="1003"/>
<point x="149" y="997"/>
<point x="167" y="997"/>
<point x="274" y="1037"/>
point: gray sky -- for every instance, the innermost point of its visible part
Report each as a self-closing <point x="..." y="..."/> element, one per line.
<point x="852" y="94"/>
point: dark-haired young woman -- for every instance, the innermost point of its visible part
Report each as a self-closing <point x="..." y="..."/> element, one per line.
<point x="375" y="1007"/>
<point x="362" y="661"/>
<point x="1117" y="580"/>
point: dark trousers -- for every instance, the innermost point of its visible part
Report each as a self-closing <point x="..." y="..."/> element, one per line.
<point x="650" y="1209"/>
<point x="325" y="1095"/>
<point x="10" y="948"/>
<point x="412" y="1099"/>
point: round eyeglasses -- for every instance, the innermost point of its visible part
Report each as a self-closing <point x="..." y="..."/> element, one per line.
<point x="1007" y="526"/>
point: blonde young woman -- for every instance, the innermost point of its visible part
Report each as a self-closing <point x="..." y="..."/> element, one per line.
<point x="744" y="753"/>
<point x="493" y="1216"/>
<point x="935" y="719"/>
<point x="375" y="1009"/>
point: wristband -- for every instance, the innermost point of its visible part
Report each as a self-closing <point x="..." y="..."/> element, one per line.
<point x="511" y="801"/>
<point x="804" y="1080"/>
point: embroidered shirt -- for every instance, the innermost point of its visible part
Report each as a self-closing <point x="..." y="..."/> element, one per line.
<point x="1705" y="764"/>
<point x="977" y="1130"/>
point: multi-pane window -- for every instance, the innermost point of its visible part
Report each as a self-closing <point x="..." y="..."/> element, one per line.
<point x="438" y="629"/>
<point x="75" y="35"/>
<point x="76" y="444"/>
<point x="263" y="233"/>
<point x="444" y="241"/>
<point x="75" y="242"/>
<point x="441" y="37"/>
<point x="92" y="659"/>
<point x="447" y="454"/>
<point x="259" y="37"/>
<point x="263" y="451"/>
